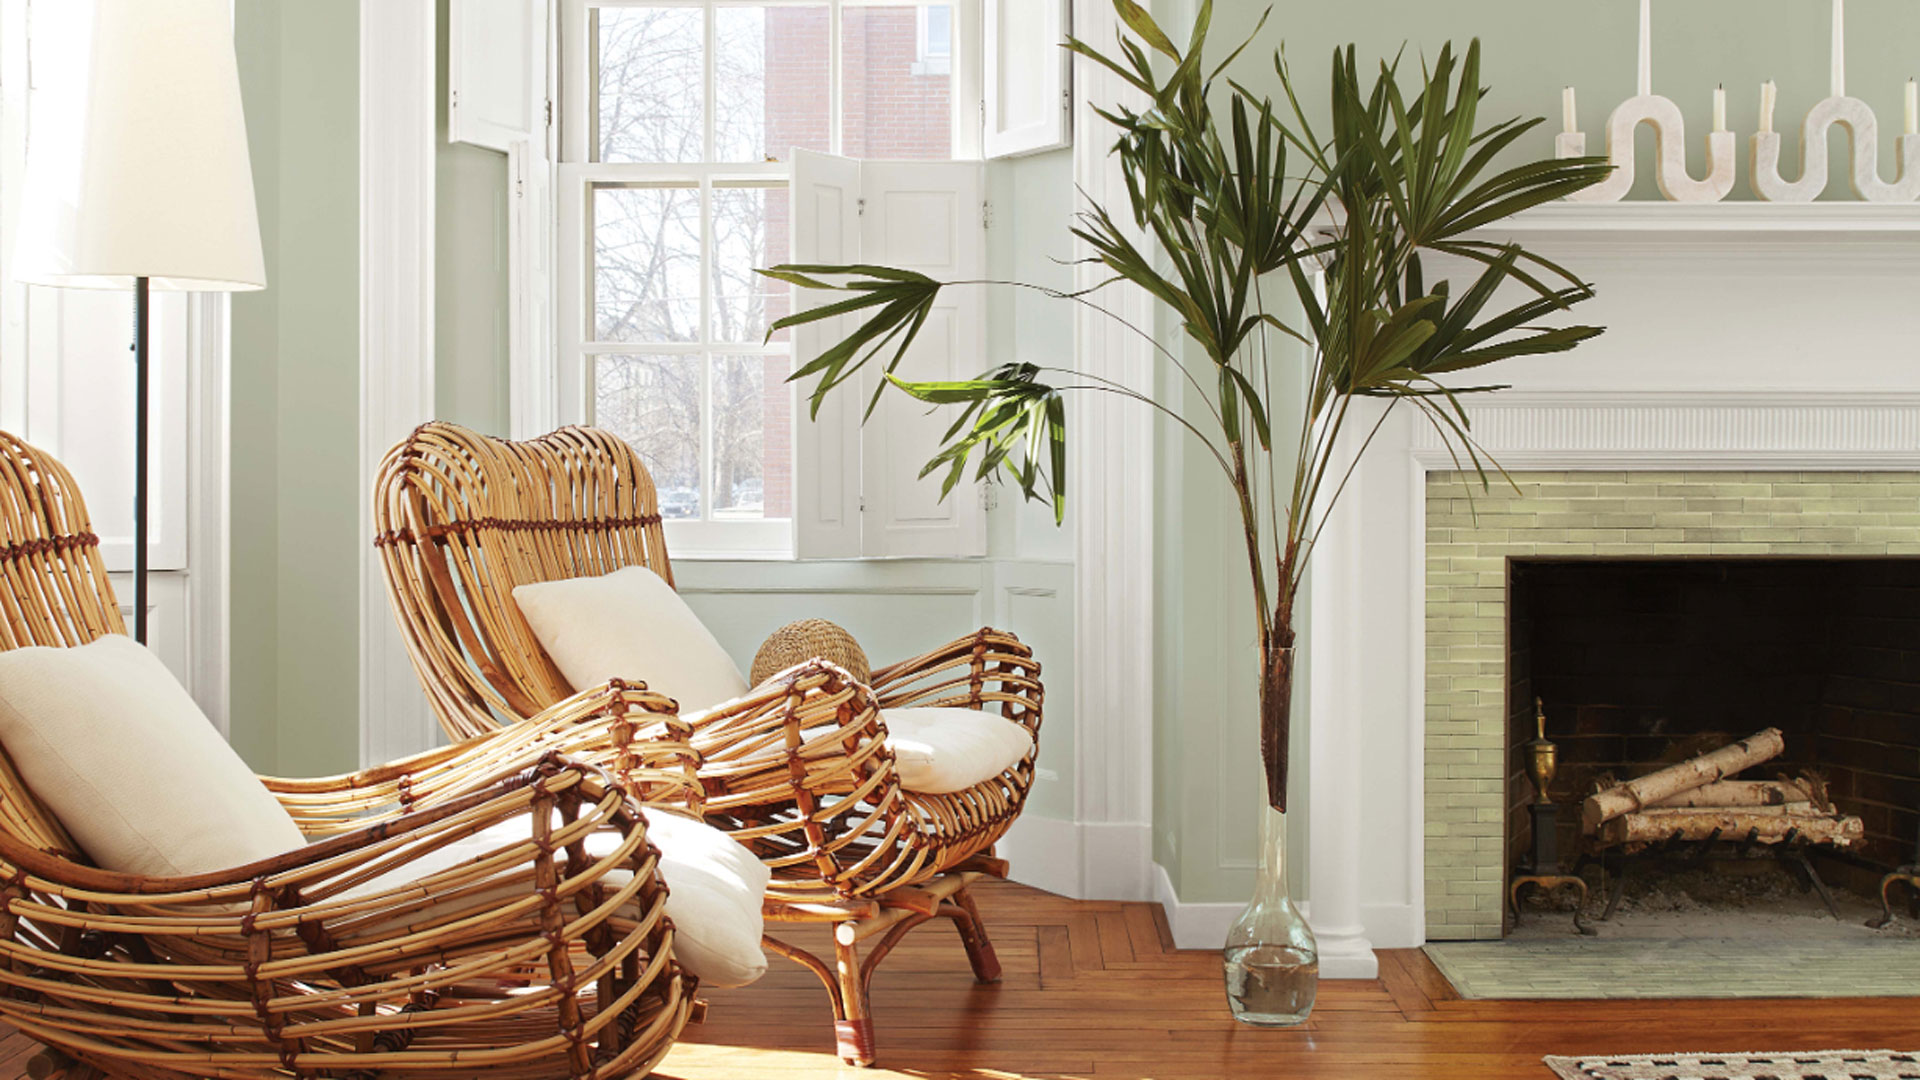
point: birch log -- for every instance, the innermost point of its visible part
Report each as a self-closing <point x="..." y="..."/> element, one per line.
<point x="1739" y="793"/>
<point x="1668" y="782"/>
<point x="1653" y="826"/>
<point x="1802" y="808"/>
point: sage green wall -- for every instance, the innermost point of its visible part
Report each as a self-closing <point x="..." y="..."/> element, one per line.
<point x="1205" y="776"/>
<point x="1532" y="50"/>
<point x="469" y="273"/>
<point x="295" y="427"/>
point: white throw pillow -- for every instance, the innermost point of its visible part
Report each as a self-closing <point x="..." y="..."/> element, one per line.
<point x="938" y="751"/>
<point x="630" y="625"/>
<point x="715" y="888"/>
<point x="110" y="742"/>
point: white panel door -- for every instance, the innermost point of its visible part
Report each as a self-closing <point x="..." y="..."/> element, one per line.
<point x="826" y="230"/>
<point x="928" y="217"/>
<point x="497" y="72"/>
<point x="1027" y="92"/>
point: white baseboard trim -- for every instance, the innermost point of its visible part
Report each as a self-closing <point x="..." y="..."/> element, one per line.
<point x="1196" y="925"/>
<point x="1204" y="925"/>
<point x="1116" y="861"/>
<point x="1080" y="860"/>
<point x="1394" y="926"/>
<point x="1043" y="853"/>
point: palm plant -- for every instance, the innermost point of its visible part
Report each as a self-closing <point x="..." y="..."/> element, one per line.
<point x="1227" y="192"/>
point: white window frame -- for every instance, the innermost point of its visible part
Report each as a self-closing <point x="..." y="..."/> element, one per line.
<point x="579" y="176"/>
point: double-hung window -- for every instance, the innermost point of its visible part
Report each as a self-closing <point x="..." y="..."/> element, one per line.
<point x="679" y="119"/>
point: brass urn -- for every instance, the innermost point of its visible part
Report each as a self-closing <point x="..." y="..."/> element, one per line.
<point x="1543" y="757"/>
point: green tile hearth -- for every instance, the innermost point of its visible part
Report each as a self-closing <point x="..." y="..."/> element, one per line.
<point x="1622" y="968"/>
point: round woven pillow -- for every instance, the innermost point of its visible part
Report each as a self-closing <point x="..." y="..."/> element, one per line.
<point x="798" y="642"/>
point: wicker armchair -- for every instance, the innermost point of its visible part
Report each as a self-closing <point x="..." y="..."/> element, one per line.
<point x="798" y="769"/>
<point x="530" y="964"/>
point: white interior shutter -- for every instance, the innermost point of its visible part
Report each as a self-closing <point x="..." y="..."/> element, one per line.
<point x="929" y="217"/>
<point x="826" y="229"/>
<point x="497" y="72"/>
<point x="1028" y="108"/>
<point x="533" y="399"/>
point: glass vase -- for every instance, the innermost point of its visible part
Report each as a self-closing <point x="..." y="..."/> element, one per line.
<point x="1272" y="964"/>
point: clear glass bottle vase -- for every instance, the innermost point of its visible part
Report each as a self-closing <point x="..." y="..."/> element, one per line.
<point x="1272" y="963"/>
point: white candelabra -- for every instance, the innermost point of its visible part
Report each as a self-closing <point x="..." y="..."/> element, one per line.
<point x="1863" y="138"/>
<point x="1647" y="107"/>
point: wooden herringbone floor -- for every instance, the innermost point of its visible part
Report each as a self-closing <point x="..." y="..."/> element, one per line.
<point x="1095" y="990"/>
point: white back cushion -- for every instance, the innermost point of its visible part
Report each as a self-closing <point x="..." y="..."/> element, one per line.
<point x="938" y="751"/>
<point x="112" y="744"/>
<point x="630" y="625"/>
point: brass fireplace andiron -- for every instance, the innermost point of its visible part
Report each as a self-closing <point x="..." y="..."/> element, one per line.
<point x="1543" y="871"/>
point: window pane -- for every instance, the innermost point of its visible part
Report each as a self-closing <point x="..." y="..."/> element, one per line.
<point x="646" y="264"/>
<point x="939" y="31"/>
<point x="750" y="230"/>
<point x="651" y="84"/>
<point x="653" y="402"/>
<point x="897" y="103"/>
<point x="752" y="438"/>
<point x="771" y="68"/>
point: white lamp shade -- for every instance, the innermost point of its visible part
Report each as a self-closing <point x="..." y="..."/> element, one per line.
<point x="137" y="159"/>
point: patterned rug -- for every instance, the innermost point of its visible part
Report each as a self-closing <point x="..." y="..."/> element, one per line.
<point x="1812" y="1065"/>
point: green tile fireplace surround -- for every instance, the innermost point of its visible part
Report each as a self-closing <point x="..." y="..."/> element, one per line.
<point x="1471" y="534"/>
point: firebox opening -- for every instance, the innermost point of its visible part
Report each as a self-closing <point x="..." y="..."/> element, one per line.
<point x="1645" y="662"/>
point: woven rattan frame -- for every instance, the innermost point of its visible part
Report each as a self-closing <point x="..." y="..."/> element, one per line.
<point x="530" y="964"/>
<point x="797" y="769"/>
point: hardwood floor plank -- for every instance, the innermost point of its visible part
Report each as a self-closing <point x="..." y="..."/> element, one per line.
<point x="1095" y="991"/>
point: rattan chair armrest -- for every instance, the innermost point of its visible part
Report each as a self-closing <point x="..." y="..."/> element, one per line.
<point x="497" y="798"/>
<point x="799" y="771"/>
<point x="988" y="669"/>
<point x="631" y="731"/>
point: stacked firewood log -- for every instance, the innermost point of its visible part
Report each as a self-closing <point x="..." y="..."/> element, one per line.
<point x="1699" y="799"/>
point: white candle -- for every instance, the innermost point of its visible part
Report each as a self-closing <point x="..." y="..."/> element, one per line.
<point x="1769" y="95"/>
<point x="1646" y="47"/>
<point x="1570" y="115"/>
<point x="1913" y="107"/>
<point x="1839" y="78"/>
<point x="1720" y="108"/>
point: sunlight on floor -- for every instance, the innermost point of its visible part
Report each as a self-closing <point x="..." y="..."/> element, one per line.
<point x="706" y="1062"/>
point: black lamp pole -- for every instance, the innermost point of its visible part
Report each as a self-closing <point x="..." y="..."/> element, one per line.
<point x="140" y="460"/>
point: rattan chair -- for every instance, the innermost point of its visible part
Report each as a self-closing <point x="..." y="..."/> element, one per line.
<point x="798" y="769"/>
<point x="530" y="964"/>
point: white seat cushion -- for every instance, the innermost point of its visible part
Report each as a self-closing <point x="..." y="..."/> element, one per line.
<point x="630" y="625"/>
<point x="111" y="743"/>
<point x="938" y="751"/>
<point x="715" y="888"/>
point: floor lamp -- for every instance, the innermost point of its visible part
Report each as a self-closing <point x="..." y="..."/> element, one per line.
<point x="137" y="174"/>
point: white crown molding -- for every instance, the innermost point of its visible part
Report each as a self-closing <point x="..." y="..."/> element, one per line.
<point x="397" y="98"/>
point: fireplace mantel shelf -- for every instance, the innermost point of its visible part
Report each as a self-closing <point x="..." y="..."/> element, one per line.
<point x="1844" y="224"/>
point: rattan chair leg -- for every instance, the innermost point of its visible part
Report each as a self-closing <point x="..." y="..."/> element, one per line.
<point x="853" y="1029"/>
<point x="973" y="936"/>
